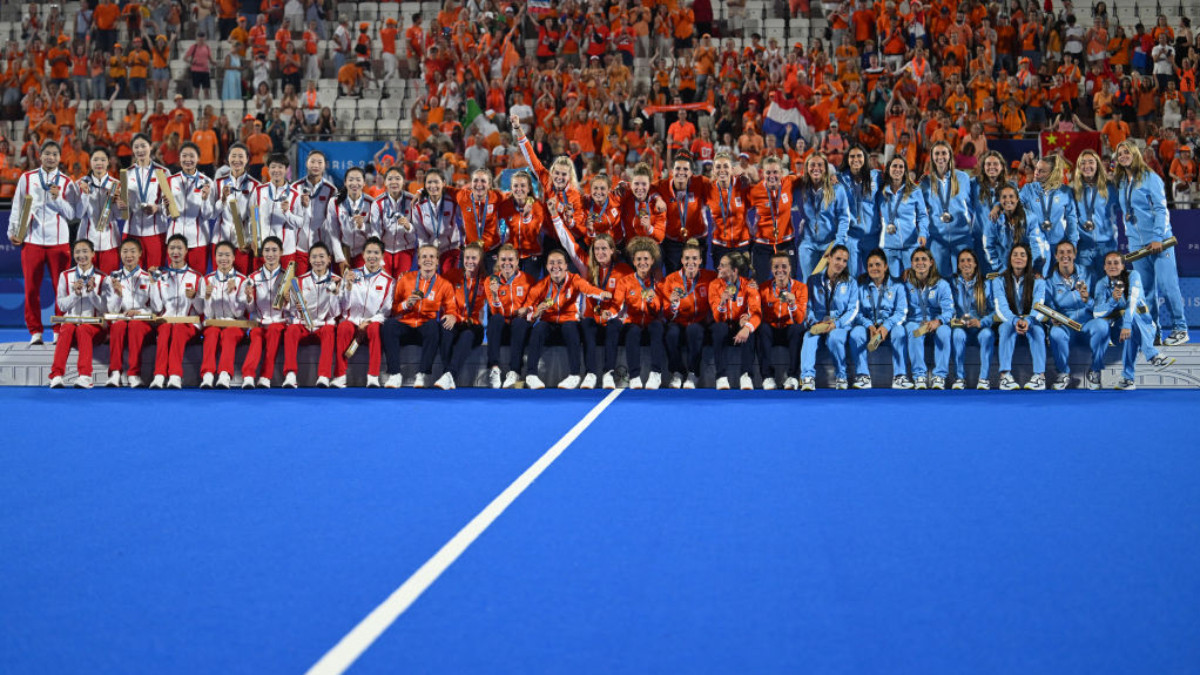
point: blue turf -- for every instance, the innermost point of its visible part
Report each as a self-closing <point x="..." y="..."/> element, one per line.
<point x="150" y="537"/>
<point x="827" y="536"/>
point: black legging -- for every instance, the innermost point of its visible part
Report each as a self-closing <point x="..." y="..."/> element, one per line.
<point x="590" y="328"/>
<point x="722" y="337"/>
<point x="516" y="329"/>
<point x="684" y="346"/>
<point x="396" y="334"/>
<point x="790" y="336"/>
<point x="633" y="346"/>
<point x="457" y="345"/>
<point x="568" y="331"/>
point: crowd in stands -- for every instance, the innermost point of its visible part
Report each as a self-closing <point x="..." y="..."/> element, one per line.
<point x="893" y="77"/>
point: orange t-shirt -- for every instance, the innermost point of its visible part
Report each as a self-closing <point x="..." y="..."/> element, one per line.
<point x="106" y="16"/>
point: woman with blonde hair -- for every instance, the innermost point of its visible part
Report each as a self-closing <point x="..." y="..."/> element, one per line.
<point x="1050" y="208"/>
<point x="821" y="211"/>
<point x="1142" y="201"/>
<point x="1095" y="211"/>
<point x="930" y="310"/>
<point x="636" y="306"/>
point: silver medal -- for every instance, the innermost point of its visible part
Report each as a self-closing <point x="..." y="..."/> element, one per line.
<point x="891" y="228"/>
<point x="946" y="217"/>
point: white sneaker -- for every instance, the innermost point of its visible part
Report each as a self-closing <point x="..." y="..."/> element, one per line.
<point x="158" y="382"/>
<point x="1126" y="384"/>
<point x="919" y="383"/>
<point x="1161" y="361"/>
<point x="206" y="382"/>
<point x="691" y="382"/>
<point x="35" y="339"/>
<point x="746" y="382"/>
<point x="676" y="380"/>
<point x="445" y="382"/>
<point x="791" y="384"/>
<point x="1036" y="383"/>
<point x="608" y="381"/>
<point x="174" y="382"/>
<point x="768" y="384"/>
<point x="494" y="377"/>
<point x="338" y="382"/>
<point x="1176" y="338"/>
<point x="289" y="381"/>
<point x="135" y="382"/>
<point x="511" y="379"/>
<point x="223" y="381"/>
<point x="372" y="382"/>
<point x="247" y="383"/>
<point x="534" y="382"/>
<point x="722" y="383"/>
<point x="1007" y="383"/>
<point x="808" y="384"/>
<point x="571" y="382"/>
<point x="1093" y="380"/>
<point x="862" y="382"/>
<point x="264" y="383"/>
<point x="958" y="385"/>
<point x="635" y="382"/>
<point x="419" y="381"/>
<point x="937" y="383"/>
<point x="653" y="380"/>
<point x="840" y="384"/>
<point x="901" y="382"/>
<point x="1061" y="381"/>
<point x="83" y="382"/>
<point x="56" y="382"/>
<point x="114" y="379"/>
<point x="983" y="384"/>
<point x="322" y="382"/>
<point x="589" y="381"/>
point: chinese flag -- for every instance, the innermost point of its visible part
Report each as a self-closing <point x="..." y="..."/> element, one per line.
<point x="1069" y="143"/>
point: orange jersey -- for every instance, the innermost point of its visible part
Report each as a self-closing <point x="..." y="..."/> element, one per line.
<point x="637" y="300"/>
<point x="570" y="201"/>
<point x="470" y="296"/>
<point x="643" y="219"/>
<point x="604" y="218"/>
<point x="685" y="209"/>
<point x="481" y="217"/>
<point x="693" y="305"/>
<point x="506" y="297"/>
<point x="726" y="210"/>
<point x="437" y="299"/>
<point x="773" y="211"/>
<point x="607" y="278"/>
<point x="744" y="302"/>
<point x="779" y="313"/>
<point x="525" y="230"/>
<point x="561" y="301"/>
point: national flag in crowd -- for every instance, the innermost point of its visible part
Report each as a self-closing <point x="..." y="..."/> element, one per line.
<point x="779" y="116"/>
<point x="474" y="121"/>
<point x="1069" y="143"/>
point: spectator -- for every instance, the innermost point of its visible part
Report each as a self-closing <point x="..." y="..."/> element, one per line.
<point x="199" y="60"/>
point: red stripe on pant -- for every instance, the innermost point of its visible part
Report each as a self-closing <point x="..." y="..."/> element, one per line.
<point x="346" y="331"/>
<point x="34" y="260"/>
<point x="272" y="334"/>
<point x="172" y="340"/>
<point x="227" y="338"/>
<point x="296" y="334"/>
<point x="83" y="334"/>
<point x="135" y="332"/>
<point x="154" y="250"/>
<point x="399" y="263"/>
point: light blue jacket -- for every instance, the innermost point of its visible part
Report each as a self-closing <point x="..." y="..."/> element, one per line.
<point x="1010" y="311"/>
<point x="825" y="300"/>
<point x="959" y="205"/>
<point x="1056" y="207"/>
<point x="864" y="218"/>
<point x="907" y="213"/>
<point x="982" y="202"/>
<point x="1102" y="234"/>
<point x="964" y="301"/>
<point x="885" y="306"/>
<point x="1144" y="209"/>
<point x="927" y="303"/>
<point x="1063" y="296"/>
<point x="998" y="241"/>
<point x="1134" y="296"/>
<point x="819" y="224"/>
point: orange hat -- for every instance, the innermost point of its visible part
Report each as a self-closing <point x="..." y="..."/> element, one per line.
<point x="364" y="26"/>
<point x="1186" y="148"/>
<point x="248" y="117"/>
<point x="63" y="38"/>
<point x="390" y="21"/>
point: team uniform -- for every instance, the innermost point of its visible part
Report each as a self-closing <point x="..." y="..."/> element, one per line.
<point x="999" y="237"/>
<point x="89" y="210"/>
<point x="1050" y="219"/>
<point x="227" y="302"/>
<point x="241" y="194"/>
<point x="134" y="299"/>
<point x="368" y="303"/>
<point x="951" y="217"/>
<point x="440" y="225"/>
<point x="89" y="301"/>
<point x="399" y="243"/>
<point x="470" y="299"/>
<point x="743" y="307"/>
<point x="141" y="184"/>
<point x="883" y="306"/>
<point x="969" y="305"/>
<point x="1095" y="215"/>
<point x="1010" y="308"/>
<point x="47" y="241"/>
<point x="904" y="223"/>
<point x="685" y="217"/>
<point x="782" y="325"/>
<point x="1064" y="295"/>
<point x="687" y="316"/>
<point x="769" y="215"/>
<point x="984" y="199"/>
<point x="169" y="298"/>
<point x="323" y="298"/>
<point x="819" y="222"/>
<point x="1131" y="312"/>
<point x="726" y="214"/>
<point x="195" y="213"/>
<point x="929" y="303"/>
<point x="592" y="323"/>
<point x="561" y="317"/>
<point x="267" y="336"/>
<point x="865" y="222"/>
<point x="280" y="214"/>
<point x="314" y="227"/>
<point x="419" y="324"/>
<point x="837" y="300"/>
<point x="524" y="228"/>
<point x="352" y="235"/>
<point x="506" y="302"/>
<point x="1143" y="206"/>
<point x="637" y="306"/>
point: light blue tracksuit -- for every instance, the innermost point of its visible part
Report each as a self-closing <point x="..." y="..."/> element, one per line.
<point x="903" y="220"/>
<point x="863" y="235"/>
<point x="818" y="225"/>
<point x="1143" y="208"/>
<point x="998" y="241"/>
<point x="926" y="303"/>
<point x="1096" y="218"/>
<point x="1049" y="219"/>
<point x="965" y="307"/>
<point x="982" y="202"/>
<point x="885" y="306"/>
<point x="947" y="239"/>
<point x="1063" y="295"/>
<point x="838" y="301"/>
<point x="1141" y="326"/>
<point x="1011" y="310"/>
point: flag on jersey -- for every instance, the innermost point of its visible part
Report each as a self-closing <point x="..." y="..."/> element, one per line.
<point x="1069" y="143"/>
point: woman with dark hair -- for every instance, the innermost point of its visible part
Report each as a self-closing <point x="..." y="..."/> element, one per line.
<point x="1120" y="302"/>
<point x="905" y="220"/>
<point x="833" y="304"/>
<point x="315" y="311"/>
<point x="1016" y="291"/>
<point x="883" y="305"/>
<point x="423" y="304"/>
<point x="367" y="304"/>
<point x="990" y="178"/>
<point x="784" y="302"/>
<point x="974" y="316"/>
<point x="553" y="306"/>
<point x="861" y="184"/>
<point x="604" y="271"/>
<point x="1006" y="231"/>
<point x="736" y="313"/>
<point x="930" y="310"/>
<point x="81" y="292"/>
<point x="178" y="292"/>
<point x="439" y="221"/>
<point x="467" y="334"/>
<point x="223" y="299"/>
<point x="507" y="291"/>
<point x="147" y="215"/>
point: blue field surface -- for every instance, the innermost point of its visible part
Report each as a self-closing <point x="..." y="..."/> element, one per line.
<point x="700" y="531"/>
